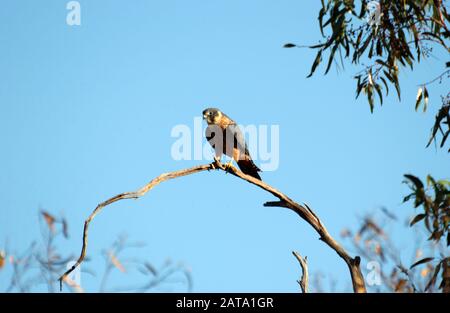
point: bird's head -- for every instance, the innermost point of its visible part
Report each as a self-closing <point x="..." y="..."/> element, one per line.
<point x="212" y="116"/>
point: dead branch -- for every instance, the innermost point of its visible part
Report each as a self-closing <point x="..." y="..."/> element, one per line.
<point x="302" y="210"/>
<point x="303" y="282"/>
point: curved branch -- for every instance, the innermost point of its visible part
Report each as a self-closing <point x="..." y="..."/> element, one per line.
<point x="129" y="195"/>
<point x="302" y="210"/>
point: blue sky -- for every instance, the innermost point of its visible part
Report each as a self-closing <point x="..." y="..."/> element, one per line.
<point x="86" y="112"/>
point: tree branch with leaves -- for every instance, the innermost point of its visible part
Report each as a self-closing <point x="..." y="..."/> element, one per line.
<point x="383" y="37"/>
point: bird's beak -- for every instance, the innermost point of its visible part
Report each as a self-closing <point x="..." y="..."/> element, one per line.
<point x="204" y="116"/>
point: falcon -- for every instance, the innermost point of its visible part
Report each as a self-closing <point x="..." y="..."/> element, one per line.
<point x="224" y="135"/>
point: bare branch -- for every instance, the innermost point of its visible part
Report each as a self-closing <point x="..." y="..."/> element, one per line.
<point x="303" y="282"/>
<point x="303" y="211"/>
<point x="129" y="195"/>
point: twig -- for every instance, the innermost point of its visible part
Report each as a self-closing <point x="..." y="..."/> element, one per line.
<point x="440" y="77"/>
<point x="303" y="282"/>
<point x="303" y="211"/>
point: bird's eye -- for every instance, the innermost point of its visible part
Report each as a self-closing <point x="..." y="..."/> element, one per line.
<point x="209" y="113"/>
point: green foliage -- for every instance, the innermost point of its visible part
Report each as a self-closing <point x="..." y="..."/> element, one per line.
<point x="386" y="41"/>
<point x="398" y="35"/>
<point x="423" y="261"/>
<point x="442" y="121"/>
<point x="434" y="199"/>
<point x="435" y="205"/>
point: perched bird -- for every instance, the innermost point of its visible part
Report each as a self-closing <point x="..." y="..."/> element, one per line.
<point x="224" y="135"/>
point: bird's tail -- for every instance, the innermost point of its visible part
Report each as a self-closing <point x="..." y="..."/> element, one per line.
<point x="248" y="167"/>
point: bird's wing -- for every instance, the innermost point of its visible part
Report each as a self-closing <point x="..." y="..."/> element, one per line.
<point x="239" y="140"/>
<point x="245" y="163"/>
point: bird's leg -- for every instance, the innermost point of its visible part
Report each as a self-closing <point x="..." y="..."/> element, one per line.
<point x="229" y="166"/>
<point x="216" y="164"/>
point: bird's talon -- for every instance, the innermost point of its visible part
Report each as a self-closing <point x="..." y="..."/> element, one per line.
<point x="216" y="164"/>
<point x="229" y="167"/>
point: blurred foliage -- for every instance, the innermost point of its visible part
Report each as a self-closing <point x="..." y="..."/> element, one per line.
<point x="430" y="263"/>
<point x="374" y="242"/>
<point x="40" y="265"/>
<point x="442" y="121"/>
<point x="435" y="205"/>
<point x="384" y="36"/>
<point x="434" y="200"/>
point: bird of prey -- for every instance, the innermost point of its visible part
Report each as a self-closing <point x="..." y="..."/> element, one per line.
<point x="224" y="135"/>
